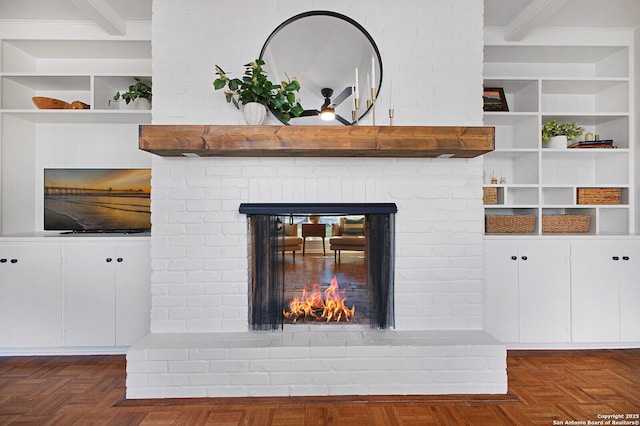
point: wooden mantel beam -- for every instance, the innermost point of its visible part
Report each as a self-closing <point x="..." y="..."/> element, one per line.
<point x="316" y="141"/>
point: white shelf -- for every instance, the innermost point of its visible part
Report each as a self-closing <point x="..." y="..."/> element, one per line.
<point x="81" y="116"/>
<point x="589" y="85"/>
<point x="118" y="57"/>
<point x="517" y="61"/>
<point x="96" y="91"/>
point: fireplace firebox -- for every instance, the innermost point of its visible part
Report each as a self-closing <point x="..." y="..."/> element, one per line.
<point x="322" y="288"/>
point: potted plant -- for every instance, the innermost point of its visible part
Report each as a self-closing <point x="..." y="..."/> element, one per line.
<point x="557" y="134"/>
<point x="256" y="88"/>
<point x="140" y="92"/>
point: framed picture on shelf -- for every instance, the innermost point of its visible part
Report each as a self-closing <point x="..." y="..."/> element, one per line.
<point x="494" y="99"/>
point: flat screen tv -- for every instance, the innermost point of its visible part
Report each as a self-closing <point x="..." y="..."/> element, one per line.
<point x="97" y="200"/>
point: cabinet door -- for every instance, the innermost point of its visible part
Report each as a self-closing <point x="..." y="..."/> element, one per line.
<point x="630" y="292"/>
<point x="133" y="295"/>
<point x="544" y="292"/>
<point x="30" y="296"/>
<point x="501" y="290"/>
<point x="89" y="295"/>
<point x="595" y="292"/>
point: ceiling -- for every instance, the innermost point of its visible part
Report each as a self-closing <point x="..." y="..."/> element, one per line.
<point x="521" y="17"/>
<point x="518" y="17"/>
<point x="129" y="10"/>
<point x="110" y="15"/>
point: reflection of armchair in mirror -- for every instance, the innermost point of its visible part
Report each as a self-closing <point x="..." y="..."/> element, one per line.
<point x="323" y="50"/>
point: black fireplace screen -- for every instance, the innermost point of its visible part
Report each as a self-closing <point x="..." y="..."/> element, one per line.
<point x="266" y="258"/>
<point x="266" y="272"/>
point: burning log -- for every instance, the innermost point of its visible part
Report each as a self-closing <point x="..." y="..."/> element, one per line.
<point x="313" y="306"/>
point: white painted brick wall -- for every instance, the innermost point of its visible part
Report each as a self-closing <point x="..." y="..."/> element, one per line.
<point x="432" y="51"/>
<point x="200" y="256"/>
<point x="340" y="361"/>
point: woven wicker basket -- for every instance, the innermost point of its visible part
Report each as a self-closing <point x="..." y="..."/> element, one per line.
<point x="490" y="195"/>
<point x="565" y="223"/>
<point x="598" y="195"/>
<point x="501" y="224"/>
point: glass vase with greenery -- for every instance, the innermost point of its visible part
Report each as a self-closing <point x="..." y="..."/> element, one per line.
<point x="256" y="87"/>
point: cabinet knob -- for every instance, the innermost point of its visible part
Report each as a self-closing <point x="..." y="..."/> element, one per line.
<point x="108" y="259"/>
<point x="625" y="257"/>
<point x="14" y="260"/>
<point x="119" y="259"/>
<point x="524" y="257"/>
<point x="615" y="258"/>
<point x="514" y="257"/>
<point x="3" y="260"/>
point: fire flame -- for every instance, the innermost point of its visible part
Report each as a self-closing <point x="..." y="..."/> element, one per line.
<point x="313" y="306"/>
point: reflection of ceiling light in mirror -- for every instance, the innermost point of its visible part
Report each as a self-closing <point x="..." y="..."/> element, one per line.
<point x="329" y="47"/>
<point x="327" y="114"/>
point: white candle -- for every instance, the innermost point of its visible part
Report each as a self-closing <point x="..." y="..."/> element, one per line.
<point x="356" y="94"/>
<point x="390" y="94"/>
<point x="373" y="73"/>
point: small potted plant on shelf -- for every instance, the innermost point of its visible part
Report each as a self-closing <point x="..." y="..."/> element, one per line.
<point x="140" y="93"/>
<point x="556" y="135"/>
<point x="256" y="93"/>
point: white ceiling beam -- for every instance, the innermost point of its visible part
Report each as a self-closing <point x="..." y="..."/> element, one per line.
<point x="532" y="16"/>
<point x="102" y="14"/>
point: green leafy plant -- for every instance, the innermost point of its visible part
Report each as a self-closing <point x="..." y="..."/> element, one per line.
<point x="256" y="87"/>
<point x="552" y="128"/>
<point x="138" y="90"/>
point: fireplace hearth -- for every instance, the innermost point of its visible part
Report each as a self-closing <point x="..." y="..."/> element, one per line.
<point x="327" y="289"/>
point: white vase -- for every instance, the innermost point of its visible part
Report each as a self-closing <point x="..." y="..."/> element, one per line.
<point x="558" y="142"/>
<point x="254" y="113"/>
<point x="142" y="103"/>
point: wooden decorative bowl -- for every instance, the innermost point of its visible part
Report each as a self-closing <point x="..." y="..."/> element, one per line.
<point x="50" y="103"/>
<point x="79" y="105"/>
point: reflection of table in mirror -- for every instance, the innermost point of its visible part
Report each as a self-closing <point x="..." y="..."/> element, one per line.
<point x="313" y="230"/>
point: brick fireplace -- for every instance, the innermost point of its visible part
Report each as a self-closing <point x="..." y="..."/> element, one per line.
<point x="200" y="344"/>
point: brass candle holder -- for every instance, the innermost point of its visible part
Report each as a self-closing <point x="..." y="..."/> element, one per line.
<point x="355" y="113"/>
<point x="391" y="113"/>
<point x="373" y="105"/>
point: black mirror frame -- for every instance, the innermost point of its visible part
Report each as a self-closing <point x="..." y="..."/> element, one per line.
<point x="338" y="16"/>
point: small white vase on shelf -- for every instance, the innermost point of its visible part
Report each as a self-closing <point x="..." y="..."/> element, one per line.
<point x="558" y="142"/>
<point x="142" y="103"/>
<point x="254" y="113"/>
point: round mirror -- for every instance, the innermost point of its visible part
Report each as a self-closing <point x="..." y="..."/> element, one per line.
<point x="334" y="59"/>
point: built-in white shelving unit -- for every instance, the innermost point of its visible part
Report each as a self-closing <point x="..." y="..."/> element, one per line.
<point x="590" y="85"/>
<point x="105" y="135"/>
<point x="53" y="287"/>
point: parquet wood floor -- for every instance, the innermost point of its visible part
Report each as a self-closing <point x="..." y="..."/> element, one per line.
<point x="544" y="387"/>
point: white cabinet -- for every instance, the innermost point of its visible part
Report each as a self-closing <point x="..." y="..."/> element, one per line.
<point x="527" y="291"/>
<point x="133" y="294"/>
<point x="541" y="292"/>
<point x="605" y="292"/>
<point x="590" y="85"/>
<point x="106" y="293"/>
<point x="30" y="296"/>
<point x="544" y="292"/>
<point x="89" y="295"/>
<point x="501" y="280"/>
